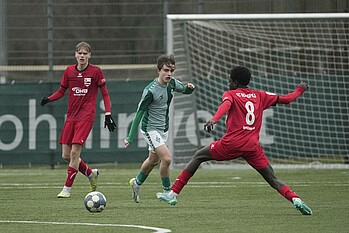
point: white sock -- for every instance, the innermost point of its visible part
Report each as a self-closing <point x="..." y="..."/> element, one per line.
<point x="66" y="189"/>
<point x="172" y="194"/>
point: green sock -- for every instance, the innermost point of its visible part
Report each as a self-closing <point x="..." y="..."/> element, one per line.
<point x="166" y="183"/>
<point x="141" y="177"/>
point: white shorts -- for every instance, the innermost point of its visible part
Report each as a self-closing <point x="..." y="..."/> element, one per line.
<point x="154" y="139"/>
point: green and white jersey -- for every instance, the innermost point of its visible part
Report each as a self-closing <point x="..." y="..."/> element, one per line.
<point x="155" y="103"/>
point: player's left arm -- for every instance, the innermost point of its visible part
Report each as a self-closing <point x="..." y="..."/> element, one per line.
<point x="108" y="122"/>
<point x="189" y="88"/>
<point x="290" y="97"/>
<point x="184" y="89"/>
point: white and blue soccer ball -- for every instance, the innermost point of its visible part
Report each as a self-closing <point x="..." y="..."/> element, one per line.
<point x="95" y="201"/>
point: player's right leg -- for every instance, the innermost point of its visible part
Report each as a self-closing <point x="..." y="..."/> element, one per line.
<point x="71" y="172"/>
<point x="136" y="182"/>
<point x="135" y="190"/>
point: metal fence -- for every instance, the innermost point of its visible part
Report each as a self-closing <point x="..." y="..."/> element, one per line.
<point x="38" y="36"/>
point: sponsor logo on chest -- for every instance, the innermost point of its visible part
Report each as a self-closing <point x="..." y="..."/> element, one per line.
<point x="87" y="82"/>
<point x="78" y="91"/>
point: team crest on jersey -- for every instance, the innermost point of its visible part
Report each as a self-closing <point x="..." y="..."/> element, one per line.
<point x="87" y="81"/>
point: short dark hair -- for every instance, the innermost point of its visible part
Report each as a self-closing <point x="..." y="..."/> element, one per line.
<point x="241" y="74"/>
<point x="165" y="59"/>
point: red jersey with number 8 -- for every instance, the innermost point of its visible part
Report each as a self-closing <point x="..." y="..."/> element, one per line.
<point x="244" y="118"/>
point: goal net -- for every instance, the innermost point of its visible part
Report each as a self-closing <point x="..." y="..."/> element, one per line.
<point x="281" y="50"/>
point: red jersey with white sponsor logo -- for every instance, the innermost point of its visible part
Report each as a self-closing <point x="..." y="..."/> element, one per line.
<point x="244" y="118"/>
<point x="83" y="90"/>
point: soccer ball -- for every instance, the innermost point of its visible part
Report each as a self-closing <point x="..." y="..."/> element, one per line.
<point x="95" y="202"/>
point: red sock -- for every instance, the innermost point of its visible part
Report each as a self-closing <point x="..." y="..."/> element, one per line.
<point x="287" y="193"/>
<point x="181" y="181"/>
<point x="71" y="174"/>
<point x="84" y="168"/>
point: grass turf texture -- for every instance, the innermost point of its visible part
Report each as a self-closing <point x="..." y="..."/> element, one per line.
<point x="214" y="201"/>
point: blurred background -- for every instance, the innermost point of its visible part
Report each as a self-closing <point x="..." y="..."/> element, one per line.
<point x="38" y="37"/>
<point x="37" y="42"/>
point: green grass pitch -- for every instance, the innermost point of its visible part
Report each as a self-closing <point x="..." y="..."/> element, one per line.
<point x="213" y="201"/>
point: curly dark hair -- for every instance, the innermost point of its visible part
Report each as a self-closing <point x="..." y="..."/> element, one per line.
<point x="241" y="74"/>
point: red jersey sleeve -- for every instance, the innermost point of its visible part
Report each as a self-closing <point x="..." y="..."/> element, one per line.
<point x="64" y="81"/>
<point x="100" y="77"/>
<point x="224" y="107"/>
<point x="269" y="99"/>
<point x="290" y="97"/>
<point x="106" y="98"/>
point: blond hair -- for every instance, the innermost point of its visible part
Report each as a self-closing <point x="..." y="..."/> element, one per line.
<point x="83" y="45"/>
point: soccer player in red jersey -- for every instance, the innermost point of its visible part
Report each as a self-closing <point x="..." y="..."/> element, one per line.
<point x="244" y="108"/>
<point x="82" y="80"/>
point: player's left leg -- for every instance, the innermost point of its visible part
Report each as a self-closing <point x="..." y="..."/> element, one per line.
<point x="199" y="157"/>
<point x="269" y="175"/>
<point x="260" y="163"/>
<point x="165" y="161"/>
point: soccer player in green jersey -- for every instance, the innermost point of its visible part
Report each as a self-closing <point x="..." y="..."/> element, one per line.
<point x="153" y="114"/>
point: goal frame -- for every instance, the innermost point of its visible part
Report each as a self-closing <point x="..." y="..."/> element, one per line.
<point x="184" y="17"/>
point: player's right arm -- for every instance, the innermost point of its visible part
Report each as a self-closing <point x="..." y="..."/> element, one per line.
<point x="134" y="127"/>
<point x="290" y="97"/>
<point x="221" y="111"/>
<point x="55" y="96"/>
<point x="147" y="98"/>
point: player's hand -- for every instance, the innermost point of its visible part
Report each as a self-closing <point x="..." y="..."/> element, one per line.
<point x="45" y="100"/>
<point x="126" y="143"/>
<point x="304" y="86"/>
<point x="109" y="122"/>
<point x="191" y="86"/>
<point x="209" y="125"/>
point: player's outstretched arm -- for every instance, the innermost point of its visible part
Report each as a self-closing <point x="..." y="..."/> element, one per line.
<point x="189" y="88"/>
<point x="221" y="111"/>
<point x="45" y="100"/>
<point x="290" y="97"/>
<point x="55" y="96"/>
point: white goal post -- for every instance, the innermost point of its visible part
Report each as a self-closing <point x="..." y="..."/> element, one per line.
<point x="281" y="50"/>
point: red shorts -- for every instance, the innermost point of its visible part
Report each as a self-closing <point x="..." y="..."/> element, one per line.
<point x="75" y="132"/>
<point x="256" y="159"/>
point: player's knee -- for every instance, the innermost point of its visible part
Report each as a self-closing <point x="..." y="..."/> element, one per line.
<point x="199" y="157"/>
<point x="154" y="162"/>
<point x="166" y="161"/>
<point x="66" y="157"/>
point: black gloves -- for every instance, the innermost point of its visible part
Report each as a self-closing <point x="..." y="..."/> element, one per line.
<point x="109" y="122"/>
<point x="209" y="125"/>
<point x="45" y="100"/>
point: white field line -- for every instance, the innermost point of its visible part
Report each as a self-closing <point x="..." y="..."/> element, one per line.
<point x="154" y="229"/>
<point x="207" y="184"/>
